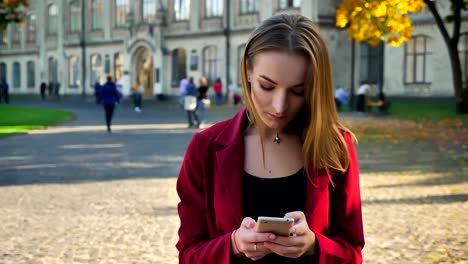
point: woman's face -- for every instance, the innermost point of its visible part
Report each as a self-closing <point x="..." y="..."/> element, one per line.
<point x="277" y="87"/>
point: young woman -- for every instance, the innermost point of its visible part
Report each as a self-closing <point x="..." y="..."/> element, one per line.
<point x="284" y="154"/>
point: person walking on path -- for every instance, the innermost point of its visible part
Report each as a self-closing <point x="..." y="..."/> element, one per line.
<point x="218" y="89"/>
<point x="42" y="90"/>
<point x="190" y="104"/>
<point x="201" y="96"/>
<point x="232" y="90"/>
<point x="182" y="91"/>
<point x="4" y="91"/>
<point x="283" y="155"/>
<point x="137" y="96"/>
<point x="109" y="96"/>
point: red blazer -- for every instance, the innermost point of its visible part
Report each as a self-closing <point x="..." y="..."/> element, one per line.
<point x="210" y="207"/>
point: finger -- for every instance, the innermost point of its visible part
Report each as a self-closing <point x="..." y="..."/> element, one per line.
<point x="296" y="215"/>
<point x="248" y="223"/>
<point x="287" y="251"/>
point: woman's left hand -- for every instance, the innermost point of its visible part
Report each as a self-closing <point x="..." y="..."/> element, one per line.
<point x="302" y="242"/>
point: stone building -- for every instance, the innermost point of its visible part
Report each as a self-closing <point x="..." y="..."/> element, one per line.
<point x="158" y="42"/>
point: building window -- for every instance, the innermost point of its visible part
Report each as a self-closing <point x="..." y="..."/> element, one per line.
<point x="3" y="39"/>
<point x="416" y="58"/>
<point x="15" y="34"/>
<point x="194" y="61"/>
<point x="370" y="61"/>
<point x="248" y="6"/>
<point x="75" y="16"/>
<point x="96" y="69"/>
<point x="210" y="63"/>
<point x="286" y="4"/>
<point x="31" y="74"/>
<point x="53" y="70"/>
<point x="97" y="10"/>
<point x="179" y="65"/>
<point x="118" y="65"/>
<point x="16" y="75"/>
<point x="181" y="9"/>
<point x="73" y="71"/>
<point x="3" y="69"/>
<point x="240" y="52"/>
<point x="52" y="24"/>
<point x="149" y="11"/>
<point x="214" y="8"/>
<point x="121" y="11"/>
<point x="463" y="54"/>
<point x="31" y="29"/>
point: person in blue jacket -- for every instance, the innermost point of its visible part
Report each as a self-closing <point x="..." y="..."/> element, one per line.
<point x="109" y="96"/>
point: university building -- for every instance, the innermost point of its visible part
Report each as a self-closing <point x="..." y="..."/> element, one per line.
<point x="158" y="42"/>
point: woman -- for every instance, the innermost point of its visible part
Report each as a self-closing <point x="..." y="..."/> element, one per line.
<point x="218" y="90"/>
<point x="191" y="104"/>
<point x="202" y="95"/>
<point x="109" y="96"/>
<point x="285" y="154"/>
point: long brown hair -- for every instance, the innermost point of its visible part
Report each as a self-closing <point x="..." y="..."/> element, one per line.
<point x="323" y="142"/>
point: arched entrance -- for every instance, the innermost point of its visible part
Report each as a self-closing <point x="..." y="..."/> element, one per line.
<point x="143" y="71"/>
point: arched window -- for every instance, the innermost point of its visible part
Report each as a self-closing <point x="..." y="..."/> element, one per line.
<point x="97" y="11"/>
<point x="74" y="73"/>
<point x="31" y="74"/>
<point x="417" y="53"/>
<point x="121" y="11"/>
<point x="118" y="65"/>
<point x="210" y="63"/>
<point x="75" y="16"/>
<point x="31" y="29"/>
<point x="149" y="11"/>
<point x="16" y="75"/>
<point x="96" y="69"/>
<point x="179" y="65"/>
<point x="463" y="53"/>
<point x="52" y="20"/>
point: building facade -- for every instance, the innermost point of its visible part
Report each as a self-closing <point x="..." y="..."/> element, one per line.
<point x="158" y="42"/>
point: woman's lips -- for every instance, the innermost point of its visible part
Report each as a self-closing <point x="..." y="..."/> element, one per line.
<point x="276" y="117"/>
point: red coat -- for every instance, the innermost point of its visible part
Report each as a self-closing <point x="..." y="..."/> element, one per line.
<point x="210" y="207"/>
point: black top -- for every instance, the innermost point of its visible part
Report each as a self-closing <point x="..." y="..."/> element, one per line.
<point x="274" y="197"/>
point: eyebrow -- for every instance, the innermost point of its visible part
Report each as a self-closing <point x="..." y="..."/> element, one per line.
<point x="270" y="80"/>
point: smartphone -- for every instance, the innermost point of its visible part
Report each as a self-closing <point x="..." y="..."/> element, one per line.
<point x="276" y="225"/>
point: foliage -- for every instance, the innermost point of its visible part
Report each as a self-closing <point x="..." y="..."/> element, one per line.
<point x="374" y="21"/>
<point x="16" y="119"/>
<point x="12" y="11"/>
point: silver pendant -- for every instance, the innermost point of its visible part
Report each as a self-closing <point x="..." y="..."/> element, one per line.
<point x="277" y="139"/>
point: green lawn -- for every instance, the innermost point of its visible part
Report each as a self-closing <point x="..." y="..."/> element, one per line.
<point x="17" y="119"/>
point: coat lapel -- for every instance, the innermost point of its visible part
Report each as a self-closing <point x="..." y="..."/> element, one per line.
<point x="230" y="160"/>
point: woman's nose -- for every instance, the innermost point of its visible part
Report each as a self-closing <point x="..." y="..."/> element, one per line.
<point x="279" y="102"/>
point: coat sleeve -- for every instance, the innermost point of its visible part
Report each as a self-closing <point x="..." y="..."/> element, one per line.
<point x="345" y="238"/>
<point x="195" y="244"/>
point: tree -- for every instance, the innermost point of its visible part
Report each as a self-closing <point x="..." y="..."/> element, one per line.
<point x="12" y="11"/>
<point x="374" y="21"/>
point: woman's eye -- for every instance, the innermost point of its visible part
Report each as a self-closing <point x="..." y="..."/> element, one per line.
<point x="266" y="88"/>
<point x="297" y="93"/>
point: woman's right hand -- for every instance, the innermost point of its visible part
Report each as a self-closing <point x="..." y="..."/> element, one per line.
<point x="248" y="242"/>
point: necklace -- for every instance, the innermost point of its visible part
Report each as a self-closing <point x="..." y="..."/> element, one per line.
<point x="276" y="140"/>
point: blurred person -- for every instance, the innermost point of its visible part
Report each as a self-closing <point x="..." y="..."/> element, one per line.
<point x="218" y="90"/>
<point x="341" y="97"/>
<point x="182" y="91"/>
<point x="4" y="91"/>
<point x="232" y="90"/>
<point x="190" y="104"/>
<point x="109" y="97"/>
<point x="42" y="89"/>
<point x="364" y="100"/>
<point x="202" y="97"/>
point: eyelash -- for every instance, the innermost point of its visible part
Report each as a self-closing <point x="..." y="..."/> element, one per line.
<point x="271" y="88"/>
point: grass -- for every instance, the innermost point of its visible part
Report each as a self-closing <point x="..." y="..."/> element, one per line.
<point x="19" y="120"/>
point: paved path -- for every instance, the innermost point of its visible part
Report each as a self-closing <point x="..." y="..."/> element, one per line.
<point x="75" y="194"/>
